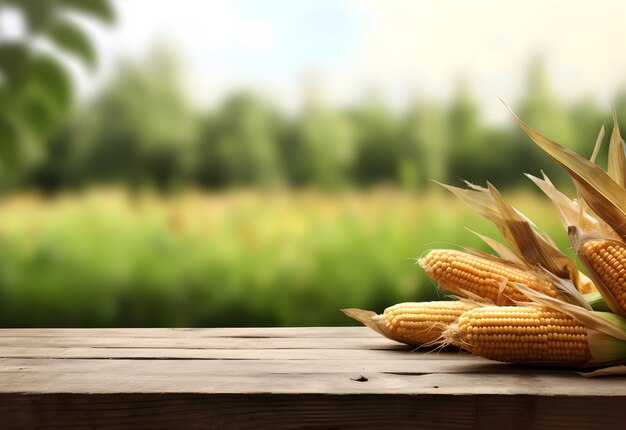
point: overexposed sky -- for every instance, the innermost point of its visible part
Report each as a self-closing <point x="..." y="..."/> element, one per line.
<point x="398" y="48"/>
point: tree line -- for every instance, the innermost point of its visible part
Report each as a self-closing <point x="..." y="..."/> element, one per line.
<point x="142" y="131"/>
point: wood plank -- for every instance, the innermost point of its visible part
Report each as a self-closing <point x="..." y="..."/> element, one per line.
<point x="194" y="411"/>
<point x="279" y="378"/>
<point x="219" y="354"/>
<point x="203" y="342"/>
<point x="11" y="368"/>
<point x="298" y="382"/>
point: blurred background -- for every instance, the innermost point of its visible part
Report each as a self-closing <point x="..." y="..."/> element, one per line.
<point x="235" y="163"/>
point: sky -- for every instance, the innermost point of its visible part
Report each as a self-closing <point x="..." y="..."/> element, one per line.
<point x="346" y="50"/>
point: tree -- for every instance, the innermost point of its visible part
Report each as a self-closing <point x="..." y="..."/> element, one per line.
<point x="377" y="134"/>
<point x="424" y="151"/>
<point x="541" y="109"/>
<point x="140" y="130"/>
<point x="35" y="88"/>
<point x="587" y="118"/>
<point x="239" y="145"/>
<point x="478" y="152"/>
<point x="323" y="150"/>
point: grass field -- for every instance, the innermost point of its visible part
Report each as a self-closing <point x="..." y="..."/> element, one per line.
<point x="109" y="258"/>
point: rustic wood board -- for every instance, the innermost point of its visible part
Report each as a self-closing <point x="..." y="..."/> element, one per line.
<point x="280" y="378"/>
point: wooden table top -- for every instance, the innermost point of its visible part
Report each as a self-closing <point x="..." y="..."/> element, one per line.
<point x="343" y="377"/>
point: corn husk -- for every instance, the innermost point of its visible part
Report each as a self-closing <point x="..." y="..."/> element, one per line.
<point x="372" y="320"/>
<point x="606" y="331"/>
<point x="578" y="240"/>
<point x="606" y="371"/>
<point x="572" y="212"/>
<point x="530" y="247"/>
<point x="433" y="327"/>
<point x="602" y="191"/>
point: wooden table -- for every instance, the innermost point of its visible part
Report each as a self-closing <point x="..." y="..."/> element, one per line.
<point x="280" y="378"/>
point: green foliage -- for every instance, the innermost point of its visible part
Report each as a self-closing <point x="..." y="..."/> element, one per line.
<point x="37" y="13"/>
<point x="100" y="9"/>
<point x="139" y="131"/>
<point x="240" y="144"/>
<point x="323" y="149"/>
<point x="469" y="140"/>
<point x="425" y="145"/>
<point x="35" y="91"/>
<point x="143" y="131"/>
<point x="68" y="37"/>
<point x="14" y="59"/>
<point x="48" y="77"/>
<point x="9" y="135"/>
<point x="377" y="141"/>
<point x="107" y="259"/>
<point x="540" y="107"/>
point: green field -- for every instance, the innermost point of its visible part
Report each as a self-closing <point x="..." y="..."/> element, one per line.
<point x="108" y="258"/>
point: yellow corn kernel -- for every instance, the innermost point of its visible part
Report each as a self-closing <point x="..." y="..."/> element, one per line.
<point x="607" y="259"/>
<point x="412" y="323"/>
<point x="421" y="323"/>
<point x="456" y="271"/>
<point x="521" y="334"/>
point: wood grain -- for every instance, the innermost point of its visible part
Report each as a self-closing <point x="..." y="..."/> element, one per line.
<point x="280" y="378"/>
<point x="203" y="342"/>
<point x="238" y="411"/>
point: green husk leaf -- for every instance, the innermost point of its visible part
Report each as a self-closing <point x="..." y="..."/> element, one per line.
<point x="578" y="239"/>
<point x="605" y="349"/>
<point x="597" y="302"/>
<point x="603" y="195"/>
<point x="617" y="159"/>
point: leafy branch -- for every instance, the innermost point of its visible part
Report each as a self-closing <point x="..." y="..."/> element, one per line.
<point x="35" y="86"/>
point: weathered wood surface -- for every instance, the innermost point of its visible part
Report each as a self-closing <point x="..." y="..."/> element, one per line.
<point x="280" y="378"/>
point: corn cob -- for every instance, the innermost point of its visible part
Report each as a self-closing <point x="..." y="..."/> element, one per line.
<point x="491" y="279"/>
<point x="412" y="323"/>
<point x="521" y="334"/>
<point x="607" y="260"/>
